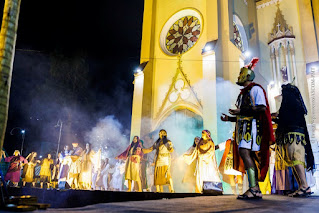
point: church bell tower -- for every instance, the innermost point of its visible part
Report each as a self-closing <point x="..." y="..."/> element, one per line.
<point x="175" y="84"/>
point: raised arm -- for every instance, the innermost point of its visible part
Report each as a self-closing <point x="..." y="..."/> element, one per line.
<point x="169" y="146"/>
<point x="221" y="146"/>
<point x="123" y="155"/>
<point x="189" y="158"/>
<point x="28" y="156"/>
<point x="148" y="150"/>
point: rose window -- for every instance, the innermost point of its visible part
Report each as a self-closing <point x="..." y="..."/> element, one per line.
<point x="183" y="35"/>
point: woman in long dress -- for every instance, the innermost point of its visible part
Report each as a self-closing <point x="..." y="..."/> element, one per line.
<point x="85" y="178"/>
<point x="45" y="172"/>
<point x="133" y="155"/>
<point x="16" y="163"/>
<point x="162" y="170"/>
<point x="189" y="176"/>
<point x="116" y="182"/>
<point x="103" y="177"/>
<point x="65" y="161"/>
<point x="28" y="170"/>
<point x="206" y="166"/>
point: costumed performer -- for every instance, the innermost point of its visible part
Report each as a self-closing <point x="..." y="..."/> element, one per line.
<point x="16" y="163"/>
<point x="75" y="166"/>
<point x="55" y="171"/>
<point x="102" y="180"/>
<point x="45" y="172"/>
<point x="280" y="177"/>
<point x="189" y="176"/>
<point x="96" y="167"/>
<point x="162" y="173"/>
<point x="3" y="164"/>
<point x="133" y="155"/>
<point x="28" y="169"/>
<point x="230" y="175"/>
<point x="116" y="183"/>
<point x="85" y="178"/>
<point x="292" y="138"/>
<point x="204" y="156"/>
<point x="65" y="161"/>
<point x="254" y="131"/>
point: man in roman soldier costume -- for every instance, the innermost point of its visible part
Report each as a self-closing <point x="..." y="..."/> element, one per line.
<point x="253" y="131"/>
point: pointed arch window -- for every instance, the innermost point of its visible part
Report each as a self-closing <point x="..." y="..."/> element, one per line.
<point x="237" y="38"/>
<point x="240" y="36"/>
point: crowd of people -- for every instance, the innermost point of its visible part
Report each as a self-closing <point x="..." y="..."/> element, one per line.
<point x="247" y="152"/>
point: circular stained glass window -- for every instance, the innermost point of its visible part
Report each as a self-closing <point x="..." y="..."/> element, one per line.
<point x="182" y="35"/>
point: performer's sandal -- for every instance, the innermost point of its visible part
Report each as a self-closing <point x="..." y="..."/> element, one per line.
<point x="303" y="194"/>
<point x="246" y="197"/>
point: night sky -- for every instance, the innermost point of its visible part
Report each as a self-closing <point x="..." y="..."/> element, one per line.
<point x="74" y="61"/>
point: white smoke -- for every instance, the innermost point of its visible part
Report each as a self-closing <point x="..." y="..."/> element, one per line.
<point x="182" y="127"/>
<point x="109" y="136"/>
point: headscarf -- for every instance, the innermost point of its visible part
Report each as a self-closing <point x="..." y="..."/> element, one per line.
<point x="209" y="139"/>
<point x="198" y="138"/>
<point x="135" y="145"/>
<point x="164" y="138"/>
<point x="208" y="134"/>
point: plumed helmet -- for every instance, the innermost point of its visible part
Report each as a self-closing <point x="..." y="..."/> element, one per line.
<point x="247" y="70"/>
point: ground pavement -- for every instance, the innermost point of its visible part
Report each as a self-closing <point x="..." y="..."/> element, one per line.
<point x="270" y="203"/>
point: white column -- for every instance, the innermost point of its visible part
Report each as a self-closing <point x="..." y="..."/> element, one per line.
<point x="273" y="63"/>
<point x="292" y="50"/>
<point x="287" y="63"/>
<point x="137" y="104"/>
<point x="278" y="68"/>
<point x="209" y="93"/>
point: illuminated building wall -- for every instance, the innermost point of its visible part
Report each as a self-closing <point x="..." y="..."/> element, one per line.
<point x="288" y="40"/>
<point x="193" y="50"/>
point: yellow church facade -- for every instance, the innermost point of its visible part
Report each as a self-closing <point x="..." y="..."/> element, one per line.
<point x="181" y="44"/>
<point x="191" y="54"/>
<point x="289" y="52"/>
<point x="192" y="51"/>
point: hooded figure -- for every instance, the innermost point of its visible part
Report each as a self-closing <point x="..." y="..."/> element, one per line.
<point x="292" y="139"/>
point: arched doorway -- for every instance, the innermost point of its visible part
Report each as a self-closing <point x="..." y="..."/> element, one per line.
<point x="182" y="127"/>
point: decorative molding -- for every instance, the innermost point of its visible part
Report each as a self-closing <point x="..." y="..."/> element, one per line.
<point x="240" y="26"/>
<point x="172" y="89"/>
<point x="280" y="28"/>
<point x="266" y="3"/>
<point x="181" y="91"/>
